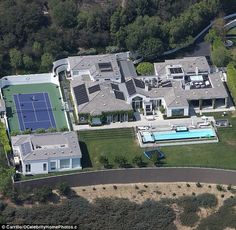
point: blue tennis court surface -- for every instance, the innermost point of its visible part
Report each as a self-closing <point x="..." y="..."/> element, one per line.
<point x="34" y="111"/>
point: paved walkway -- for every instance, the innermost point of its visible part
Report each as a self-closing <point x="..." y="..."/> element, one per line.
<point x="143" y="122"/>
<point x="138" y="175"/>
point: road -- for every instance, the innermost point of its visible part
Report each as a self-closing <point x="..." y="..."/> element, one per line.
<point x="138" y="175"/>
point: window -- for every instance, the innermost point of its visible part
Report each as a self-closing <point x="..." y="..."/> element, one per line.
<point x="76" y="163"/>
<point x="28" y="168"/>
<point x="53" y="165"/>
<point x="65" y="163"/>
<point x="75" y="72"/>
<point x="177" y="112"/>
<point x="45" y="167"/>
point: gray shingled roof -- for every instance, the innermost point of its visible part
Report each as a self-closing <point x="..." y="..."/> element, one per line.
<point x="47" y="146"/>
<point x="91" y="63"/>
<point x="188" y="64"/>
<point x="103" y="100"/>
<point x="127" y="69"/>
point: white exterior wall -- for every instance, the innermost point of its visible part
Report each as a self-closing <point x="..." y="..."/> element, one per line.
<point x="169" y="111"/>
<point x="29" y="79"/>
<point x="37" y="166"/>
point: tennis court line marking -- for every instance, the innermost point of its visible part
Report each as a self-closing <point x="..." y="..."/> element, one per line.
<point x="47" y="110"/>
<point x="17" y="96"/>
<point x="37" y="121"/>
<point x="18" y="120"/>
<point x="35" y="115"/>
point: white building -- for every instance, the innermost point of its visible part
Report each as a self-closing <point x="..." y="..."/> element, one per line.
<point x="48" y="152"/>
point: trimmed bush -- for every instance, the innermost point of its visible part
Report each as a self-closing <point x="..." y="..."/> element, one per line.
<point x="63" y="188"/>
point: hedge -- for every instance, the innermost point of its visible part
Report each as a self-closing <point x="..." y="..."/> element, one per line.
<point x="231" y="80"/>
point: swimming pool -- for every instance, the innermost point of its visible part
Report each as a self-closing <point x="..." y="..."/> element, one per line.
<point x="191" y="134"/>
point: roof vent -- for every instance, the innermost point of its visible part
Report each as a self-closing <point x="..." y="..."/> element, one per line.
<point x="104" y="104"/>
<point x="102" y="95"/>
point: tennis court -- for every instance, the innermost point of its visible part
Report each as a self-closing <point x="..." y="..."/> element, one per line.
<point x="42" y="107"/>
<point x="34" y="111"/>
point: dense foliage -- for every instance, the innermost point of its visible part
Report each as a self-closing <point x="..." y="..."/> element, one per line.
<point x="231" y="81"/>
<point x="118" y="213"/>
<point x="104" y="213"/>
<point x="34" y="33"/>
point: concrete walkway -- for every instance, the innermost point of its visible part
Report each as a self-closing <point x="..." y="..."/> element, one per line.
<point x="143" y="122"/>
<point x="137" y="175"/>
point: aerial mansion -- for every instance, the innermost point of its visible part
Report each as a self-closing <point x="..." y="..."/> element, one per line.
<point x="108" y="87"/>
<point x="40" y="110"/>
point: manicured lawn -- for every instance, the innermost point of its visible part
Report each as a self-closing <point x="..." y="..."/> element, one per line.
<point x="110" y="143"/>
<point x="123" y="142"/>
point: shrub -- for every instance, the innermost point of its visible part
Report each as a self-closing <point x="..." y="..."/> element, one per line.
<point x="136" y="187"/>
<point x="115" y="187"/>
<point x="138" y="160"/>
<point x="219" y="187"/>
<point x="104" y="188"/>
<point x="145" y="186"/>
<point x="104" y="161"/>
<point x="121" y="161"/>
<point x="229" y="187"/>
<point x="198" y="185"/>
<point x="193" y="193"/>
<point x="2" y="205"/>
<point x="40" y="131"/>
<point x="207" y="200"/>
<point x="145" y="68"/>
<point x="188" y="185"/>
<point x="174" y="194"/>
<point x="64" y="129"/>
<point x="94" y="189"/>
<point x="63" y="188"/>
<point x="189" y="219"/>
<point x="42" y="194"/>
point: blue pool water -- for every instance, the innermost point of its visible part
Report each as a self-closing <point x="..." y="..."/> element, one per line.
<point x="173" y="135"/>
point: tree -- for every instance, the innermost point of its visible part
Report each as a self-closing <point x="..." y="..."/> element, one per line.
<point x="151" y="48"/>
<point x="37" y="49"/>
<point x="28" y="62"/>
<point x="121" y="161"/>
<point x="64" y="13"/>
<point x="104" y="161"/>
<point x="145" y="68"/>
<point x="138" y="160"/>
<point x="46" y="62"/>
<point x="15" y="58"/>
<point x="220" y="56"/>
<point x="6" y="181"/>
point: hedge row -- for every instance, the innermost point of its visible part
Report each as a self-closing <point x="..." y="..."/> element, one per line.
<point x="231" y="81"/>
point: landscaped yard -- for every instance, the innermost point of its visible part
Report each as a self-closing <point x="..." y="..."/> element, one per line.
<point x="123" y="142"/>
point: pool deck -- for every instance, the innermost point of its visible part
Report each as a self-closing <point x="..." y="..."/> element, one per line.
<point x="189" y="141"/>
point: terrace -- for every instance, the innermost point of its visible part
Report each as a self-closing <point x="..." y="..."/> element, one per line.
<point x="197" y="82"/>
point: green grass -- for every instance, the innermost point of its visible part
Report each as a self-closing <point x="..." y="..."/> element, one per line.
<point x="123" y="142"/>
<point x="110" y="143"/>
<point x="50" y="88"/>
<point x="232" y="31"/>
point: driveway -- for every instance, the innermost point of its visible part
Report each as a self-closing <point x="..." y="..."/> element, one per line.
<point x="138" y="175"/>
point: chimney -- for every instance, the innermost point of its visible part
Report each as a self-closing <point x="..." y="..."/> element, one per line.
<point x="196" y="71"/>
<point x="146" y="87"/>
